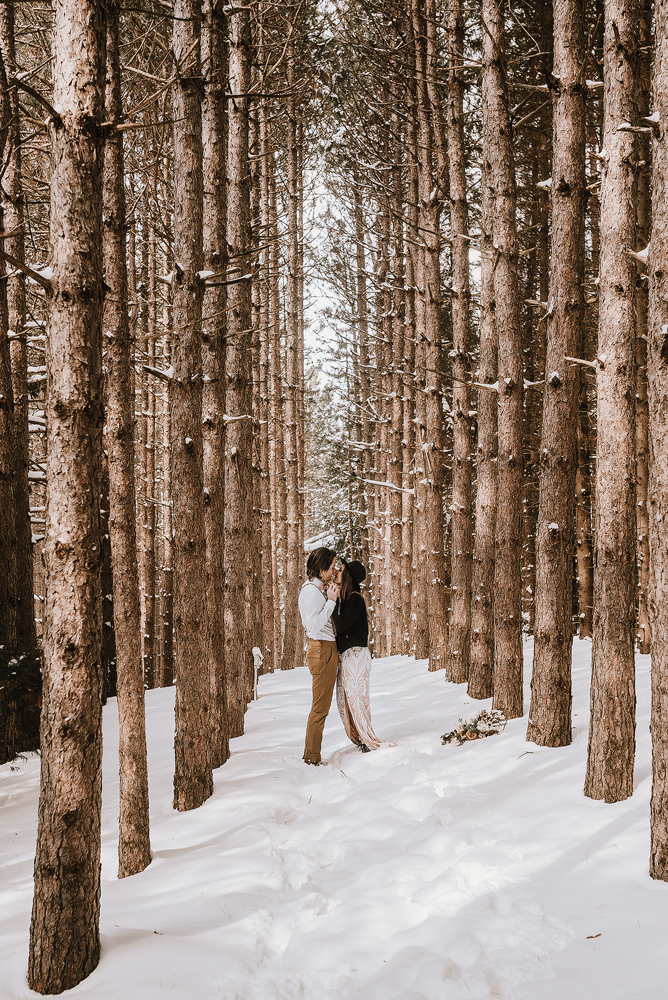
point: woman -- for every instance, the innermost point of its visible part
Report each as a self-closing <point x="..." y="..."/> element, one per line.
<point x="352" y="641"/>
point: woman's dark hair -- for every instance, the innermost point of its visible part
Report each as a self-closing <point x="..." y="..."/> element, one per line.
<point x="319" y="560"/>
<point x="349" y="584"/>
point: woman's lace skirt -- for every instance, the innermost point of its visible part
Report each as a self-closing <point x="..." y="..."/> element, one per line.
<point x="352" y="696"/>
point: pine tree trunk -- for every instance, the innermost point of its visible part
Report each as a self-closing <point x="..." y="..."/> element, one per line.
<point x="64" y="932"/>
<point x="268" y="553"/>
<point x="276" y="416"/>
<point x="301" y="443"/>
<point x="459" y="636"/>
<point x="238" y="387"/>
<point x="293" y="630"/>
<point x="134" y="847"/>
<point x="165" y="587"/>
<point x="507" y="547"/>
<point x="585" y="561"/>
<point x="107" y="587"/>
<point x="408" y="478"/>
<point x="7" y="456"/>
<point x="419" y="597"/>
<point x="657" y="393"/>
<point x="254" y="606"/>
<point x="167" y="565"/>
<point x="550" y="713"/>
<point x="611" y="747"/>
<point x="383" y="391"/>
<point x="482" y="610"/>
<point x="429" y="327"/>
<point x="213" y="353"/>
<point x="643" y="224"/>
<point x="26" y="637"/>
<point x="147" y="535"/>
<point x="395" y="455"/>
<point x="193" y="781"/>
<point x="362" y="363"/>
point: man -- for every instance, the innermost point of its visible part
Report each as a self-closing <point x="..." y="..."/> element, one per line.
<point x="315" y="607"/>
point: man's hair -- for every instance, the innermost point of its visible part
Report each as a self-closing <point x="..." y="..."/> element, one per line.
<point x="318" y="560"/>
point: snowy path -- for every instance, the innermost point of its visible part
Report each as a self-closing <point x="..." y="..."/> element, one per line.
<point x="419" y="872"/>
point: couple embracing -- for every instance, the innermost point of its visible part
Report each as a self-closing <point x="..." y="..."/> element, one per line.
<point x="334" y="616"/>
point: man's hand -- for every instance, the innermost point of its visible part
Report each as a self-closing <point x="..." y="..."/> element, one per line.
<point x="333" y="591"/>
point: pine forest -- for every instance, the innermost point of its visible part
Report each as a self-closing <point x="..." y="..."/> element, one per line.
<point x="389" y="278"/>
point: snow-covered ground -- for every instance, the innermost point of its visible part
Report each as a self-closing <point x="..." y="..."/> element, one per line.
<point x="418" y="872"/>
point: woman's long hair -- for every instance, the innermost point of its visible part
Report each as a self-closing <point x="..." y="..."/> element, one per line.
<point x="349" y="584"/>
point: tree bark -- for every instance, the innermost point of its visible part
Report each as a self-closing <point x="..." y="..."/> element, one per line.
<point x="213" y="353"/>
<point x="193" y="781"/>
<point x="276" y="463"/>
<point x="429" y="327"/>
<point x="64" y="932"/>
<point x="26" y="637"/>
<point x="459" y="635"/>
<point x="657" y="393"/>
<point x="398" y="618"/>
<point x="293" y="631"/>
<point x="550" y="713"/>
<point x="643" y="230"/>
<point x="481" y="664"/>
<point x="8" y="471"/>
<point x="507" y="547"/>
<point x="238" y="398"/>
<point x="611" y="748"/>
<point x="134" y="847"/>
<point x="268" y="550"/>
<point x="146" y="447"/>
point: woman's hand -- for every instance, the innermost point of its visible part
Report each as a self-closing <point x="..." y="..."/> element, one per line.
<point x="333" y="591"/>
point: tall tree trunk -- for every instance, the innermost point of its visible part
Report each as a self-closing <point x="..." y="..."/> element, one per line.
<point x="418" y="567"/>
<point x="268" y="551"/>
<point x="507" y="546"/>
<point x="254" y="604"/>
<point x="408" y="452"/>
<point x="193" y="781"/>
<point x="429" y="327"/>
<point x="26" y="637"/>
<point x="482" y="611"/>
<point x="276" y="463"/>
<point x="398" y="616"/>
<point x="459" y="636"/>
<point x="301" y="441"/>
<point x="550" y="713"/>
<point x="64" y="932"/>
<point x="657" y="393"/>
<point x="291" y="640"/>
<point x="7" y="456"/>
<point x="213" y="353"/>
<point x="585" y="562"/>
<point x="362" y="362"/>
<point x="643" y="223"/>
<point x="238" y="399"/>
<point x="611" y="748"/>
<point x="167" y="564"/>
<point x="383" y="408"/>
<point x="147" y="534"/>
<point x="134" y="847"/>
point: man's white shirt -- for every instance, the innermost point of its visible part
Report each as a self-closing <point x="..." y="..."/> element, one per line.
<point x="316" y="611"/>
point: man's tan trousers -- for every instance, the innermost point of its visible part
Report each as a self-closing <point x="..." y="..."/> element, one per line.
<point x="322" y="660"/>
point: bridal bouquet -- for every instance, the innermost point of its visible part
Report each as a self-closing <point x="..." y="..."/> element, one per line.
<point x="485" y="723"/>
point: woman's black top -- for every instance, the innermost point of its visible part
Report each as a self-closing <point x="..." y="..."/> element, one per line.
<point x="350" y="622"/>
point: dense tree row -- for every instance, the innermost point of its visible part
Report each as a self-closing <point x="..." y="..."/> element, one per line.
<point x="477" y="183"/>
